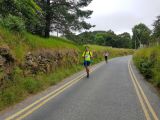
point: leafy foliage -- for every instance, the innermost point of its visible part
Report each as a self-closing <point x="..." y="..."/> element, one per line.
<point x="13" y="23"/>
<point x="156" y="30"/>
<point x="26" y="10"/>
<point x="124" y="41"/>
<point x="43" y="16"/>
<point x="64" y="16"/>
<point x="141" y="35"/>
<point x="105" y="38"/>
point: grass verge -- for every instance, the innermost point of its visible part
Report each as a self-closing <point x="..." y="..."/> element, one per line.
<point x="23" y="87"/>
<point x="147" y="61"/>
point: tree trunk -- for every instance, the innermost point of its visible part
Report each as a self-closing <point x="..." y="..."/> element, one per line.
<point x="48" y="19"/>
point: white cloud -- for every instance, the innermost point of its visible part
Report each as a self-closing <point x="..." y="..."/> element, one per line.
<point x="122" y="15"/>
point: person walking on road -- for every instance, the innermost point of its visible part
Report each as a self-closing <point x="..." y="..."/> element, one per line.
<point x="87" y="55"/>
<point x="106" y="54"/>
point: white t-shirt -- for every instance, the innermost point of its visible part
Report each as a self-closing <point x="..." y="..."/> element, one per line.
<point x="106" y="54"/>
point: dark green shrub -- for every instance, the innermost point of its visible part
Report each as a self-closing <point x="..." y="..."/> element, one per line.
<point x="30" y="85"/>
<point x="13" y="23"/>
<point x="8" y="97"/>
<point x="156" y="72"/>
<point x="157" y="78"/>
<point x="145" y="67"/>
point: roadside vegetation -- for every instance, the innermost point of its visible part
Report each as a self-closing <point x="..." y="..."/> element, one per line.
<point x="147" y="59"/>
<point x="21" y="43"/>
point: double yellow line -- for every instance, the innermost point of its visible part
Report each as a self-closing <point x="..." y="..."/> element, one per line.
<point x="37" y="104"/>
<point x="145" y="104"/>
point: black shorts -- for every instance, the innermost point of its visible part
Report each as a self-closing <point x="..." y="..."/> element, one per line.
<point x="87" y="63"/>
<point x="106" y="57"/>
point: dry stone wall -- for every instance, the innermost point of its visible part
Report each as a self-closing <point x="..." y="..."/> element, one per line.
<point x="46" y="60"/>
<point x="39" y="61"/>
<point x="7" y="63"/>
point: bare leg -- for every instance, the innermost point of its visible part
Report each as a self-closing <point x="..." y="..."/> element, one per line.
<point x="87" y="70"/>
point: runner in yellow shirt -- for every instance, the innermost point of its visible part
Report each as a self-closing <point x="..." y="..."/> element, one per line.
<point x="87" y="55"/>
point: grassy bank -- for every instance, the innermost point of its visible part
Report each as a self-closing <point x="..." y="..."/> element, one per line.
<point x="20" y="44"/>
<point x="147" y="61"/>
<point x="19" y="86"/>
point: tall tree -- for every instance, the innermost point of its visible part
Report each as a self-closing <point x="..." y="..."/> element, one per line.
<point x="107" y="38"/>
<point x="141" y="35"/>
<point x="124" y="40"/>
<point x="47" y="18"/>
<point x="64" y="16"/>
<point x="156" y="30"/>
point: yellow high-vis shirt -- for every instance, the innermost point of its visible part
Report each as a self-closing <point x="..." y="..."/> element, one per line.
<point x="87" y="55"/>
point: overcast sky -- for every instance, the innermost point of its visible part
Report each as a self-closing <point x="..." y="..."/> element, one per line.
<point x="122" y="15"/>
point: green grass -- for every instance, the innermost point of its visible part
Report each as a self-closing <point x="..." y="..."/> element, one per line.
<point x="51" y="43"/>
<point x="31" y="85"/>
<point x="98" y="48"/>
<point x="20" y="44"/>
<point x="33" y="41"/>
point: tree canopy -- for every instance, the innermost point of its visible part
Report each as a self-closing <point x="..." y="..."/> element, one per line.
<point x="156" y="29"/>
<point x="43" y="16"/>
<point x="105" y="38"/>
<point x="141" y="35"/>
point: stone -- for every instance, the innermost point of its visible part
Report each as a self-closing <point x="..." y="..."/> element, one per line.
<point x="4" y="50"/>
<point x="2" y="61"/>
<point x="7" y="62"/>
<point x="46" y="60"/>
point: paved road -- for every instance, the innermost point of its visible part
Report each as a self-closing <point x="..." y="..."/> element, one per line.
<point x="108" y="94"/>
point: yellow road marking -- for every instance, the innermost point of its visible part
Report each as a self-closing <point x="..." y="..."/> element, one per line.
<point x="46" y="98"/>
<point x="139" y="96"/>
<point x="45" y="101"/>
<point x="36" y="102"/>
<point x="145" y="97"/>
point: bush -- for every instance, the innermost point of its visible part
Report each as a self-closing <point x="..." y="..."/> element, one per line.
<point x="8" y="97"/>
<point x="13" y="23"/>
<point x="30" y="85"/>
<point x="147" y="61"/>
<point x="156" y="71"/>
<point x="145" y="66"/>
